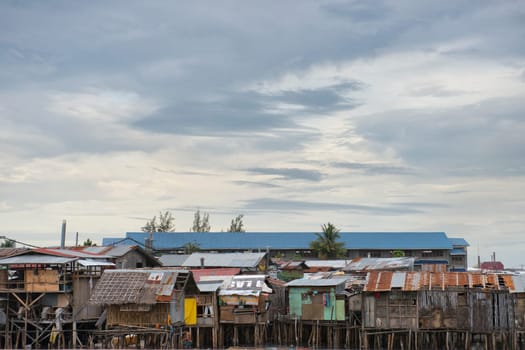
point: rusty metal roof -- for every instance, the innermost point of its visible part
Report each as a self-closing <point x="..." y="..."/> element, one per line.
<point x="413" y="281"/>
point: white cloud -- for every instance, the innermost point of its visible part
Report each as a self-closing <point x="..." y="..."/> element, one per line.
<point x="395" y="80"/>
<point x="102" y="105"/>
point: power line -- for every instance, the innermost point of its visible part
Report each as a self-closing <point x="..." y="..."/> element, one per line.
<point x="22" y="243"/>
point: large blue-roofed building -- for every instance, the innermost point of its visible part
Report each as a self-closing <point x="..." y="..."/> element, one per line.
<point x="426" y="247"/>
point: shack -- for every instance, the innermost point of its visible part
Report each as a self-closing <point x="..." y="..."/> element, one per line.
<point x="454" y="302"/>
<point x="317" y="299"/>
<point x="244" y="310"/>
<point x="202" y="313"/>
<point x="149" y="302"/>
<point x="124" y="256"/>
<point x="44" y="296"/>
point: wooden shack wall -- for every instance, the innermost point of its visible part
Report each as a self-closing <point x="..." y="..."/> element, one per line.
<point x="443" y="309"/>
<point x="131" y="260"/>
<point x="476" y="310"/>
<point x="278" y="304"/>
<point x="41" y="280"/>
<point x="496" y="306"/>
<point x="4" y="277"/>
<point x="394" y="309"/>
<point x="82" y="309"/>
<point x="138" y="315"/>
<point x="519" y="310"/>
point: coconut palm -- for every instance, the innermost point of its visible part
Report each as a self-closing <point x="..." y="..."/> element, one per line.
<point x="326" y="245"/>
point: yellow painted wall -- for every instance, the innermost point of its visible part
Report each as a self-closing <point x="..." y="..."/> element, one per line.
<point x="190" y="311"/>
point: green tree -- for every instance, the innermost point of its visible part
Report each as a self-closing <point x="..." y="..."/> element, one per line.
<point x="201" y="222"/>
<point x="191" y="247"/>
<point x="237" y="225"/>
<point x="326" y="245"/>
<point x="87" y="243"/>
<point x="398" y="253"/>
<point x="7" y="243"/>
<point x="166" y="223"/>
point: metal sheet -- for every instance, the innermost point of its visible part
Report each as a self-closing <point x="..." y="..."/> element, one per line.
<point x="36" y="259"/>
<point x="95" y="263"/>
<point x="398" y="280"/>
<point x="370" y="264"/>
<point x="306" y="282"/>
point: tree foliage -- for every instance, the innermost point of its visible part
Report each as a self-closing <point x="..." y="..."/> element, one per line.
<point x="398" y="253"/>
<point x="191" y="247"/>
<point x="326" y="245"/>
<point x="88" y="243"/>
<point x="166" y="223"/>
<point x="7" y="243"/>
<point x="237" y="225"/>
<point x="201" y="222"/>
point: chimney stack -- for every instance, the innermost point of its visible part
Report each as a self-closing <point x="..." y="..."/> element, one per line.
<point x="63" y="235"/>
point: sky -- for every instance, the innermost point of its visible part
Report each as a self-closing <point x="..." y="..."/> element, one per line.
<point x="372" y="115"/>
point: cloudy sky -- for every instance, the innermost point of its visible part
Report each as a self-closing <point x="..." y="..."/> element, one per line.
<point x="375" y="116"/>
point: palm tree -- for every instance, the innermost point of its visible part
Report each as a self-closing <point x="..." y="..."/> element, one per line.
<point x="326" y="245"/>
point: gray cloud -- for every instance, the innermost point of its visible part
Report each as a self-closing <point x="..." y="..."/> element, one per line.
<point x="474" y="140"/>
<point x="246" y="112"/>
<point x="374" y="168"/>
<point x="289" y="173"/>
<point x="257" y="184"/>
<point x="279" y="205"/>
<point x="237" y="113"/>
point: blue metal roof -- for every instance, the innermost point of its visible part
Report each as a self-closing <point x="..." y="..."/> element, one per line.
<point x="458" y="251"/>
<point x="292" y="240"/>
<point x="459" y="242"/>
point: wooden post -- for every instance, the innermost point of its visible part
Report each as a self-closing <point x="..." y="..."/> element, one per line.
<point x="74" y="335"/>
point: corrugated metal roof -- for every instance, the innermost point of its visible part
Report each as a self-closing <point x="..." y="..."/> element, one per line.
<point x="36" y="259"/>
<point x="326" y="282"/>
<point x="246" y="285"/>
<point x="246" y="260"/>
<point x="6" y="252"/>
<point x="335" y="264"/>
<point x="95" y="249"/>
<point x="458" y="251"/>
<point x="291" y="240"/>
<point x="370" y="264"/>
<point x="413" y="281"/>
<point x="208" y="287"/>
<point x="87" y="262"/>
<point x="518" y="284"/>
<point x="119" y="250"/>
<point x="198" y="274"/>
<point x="459" y="242"/>
<point x="173" y="259"/>
<point x="71" y="253"/>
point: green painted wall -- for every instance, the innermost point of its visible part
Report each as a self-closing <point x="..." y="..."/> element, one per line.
<point x="298" y="296"/>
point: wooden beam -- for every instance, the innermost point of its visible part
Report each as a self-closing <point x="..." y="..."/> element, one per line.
<point x="20" y="301"/>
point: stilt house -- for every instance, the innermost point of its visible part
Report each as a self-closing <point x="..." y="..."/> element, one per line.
<point x="145" y="298"/>
<point x="425" y="300"/>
